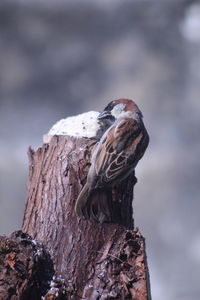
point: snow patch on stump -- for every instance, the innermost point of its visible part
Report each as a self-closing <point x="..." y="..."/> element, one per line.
<point x="83" y="125"/>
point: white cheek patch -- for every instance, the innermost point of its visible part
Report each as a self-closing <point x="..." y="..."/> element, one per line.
<point x="117" y="110"/>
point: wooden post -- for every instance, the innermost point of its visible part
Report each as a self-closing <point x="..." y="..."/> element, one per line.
<point x="96" y="261"/>
<point x="26" y="268"/>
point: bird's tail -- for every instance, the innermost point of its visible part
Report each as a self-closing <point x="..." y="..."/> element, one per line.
<point x="94" y="205"/>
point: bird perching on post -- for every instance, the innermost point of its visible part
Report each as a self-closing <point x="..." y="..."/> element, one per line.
<point x="95" y="259"/>
<point x="116" y="155"/>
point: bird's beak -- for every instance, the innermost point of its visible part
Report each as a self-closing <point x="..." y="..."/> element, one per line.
<point x="104" y="115"/>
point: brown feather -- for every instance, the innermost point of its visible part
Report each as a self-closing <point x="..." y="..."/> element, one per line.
<point x="115" y="157"/>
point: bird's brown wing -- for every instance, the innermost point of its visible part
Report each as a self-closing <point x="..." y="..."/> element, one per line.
<point x="116" y="155"/>
<point x="117" y="152"/>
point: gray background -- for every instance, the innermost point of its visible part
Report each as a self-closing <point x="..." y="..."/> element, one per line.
<point x="60" y="58"/>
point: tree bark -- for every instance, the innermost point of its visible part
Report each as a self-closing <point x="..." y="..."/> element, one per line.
<point x="96" y="261"/>
<point x="25" y="268"/>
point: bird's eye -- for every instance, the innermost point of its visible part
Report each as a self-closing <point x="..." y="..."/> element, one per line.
<point x="109" y="107"/>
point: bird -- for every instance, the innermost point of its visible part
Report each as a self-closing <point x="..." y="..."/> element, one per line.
<point x="115" y="157"/>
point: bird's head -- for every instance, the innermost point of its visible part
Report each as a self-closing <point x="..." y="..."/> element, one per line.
<point x="121" y="108"/>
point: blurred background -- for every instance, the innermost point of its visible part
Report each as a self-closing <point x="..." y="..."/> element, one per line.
<point x="61" y="58"/>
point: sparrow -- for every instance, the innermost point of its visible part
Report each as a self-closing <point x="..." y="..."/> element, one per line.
<point x="115" y="157"/>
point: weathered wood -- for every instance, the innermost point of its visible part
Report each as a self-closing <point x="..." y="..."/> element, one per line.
<point x="25" y="268"/>
<point x="99" y="261"/>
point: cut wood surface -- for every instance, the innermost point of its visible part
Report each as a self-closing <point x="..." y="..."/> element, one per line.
<point x="97" y="261"/>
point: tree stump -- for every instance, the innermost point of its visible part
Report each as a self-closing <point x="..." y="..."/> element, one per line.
<point x="25" y="268"/>
<point x="96" y="261"/>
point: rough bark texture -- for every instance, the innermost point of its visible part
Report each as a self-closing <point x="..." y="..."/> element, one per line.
<point x="25" y="268"/>
<point x="96" y="261"/>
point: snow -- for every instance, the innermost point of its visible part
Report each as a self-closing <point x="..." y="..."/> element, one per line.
<point x="83" y="125"/>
